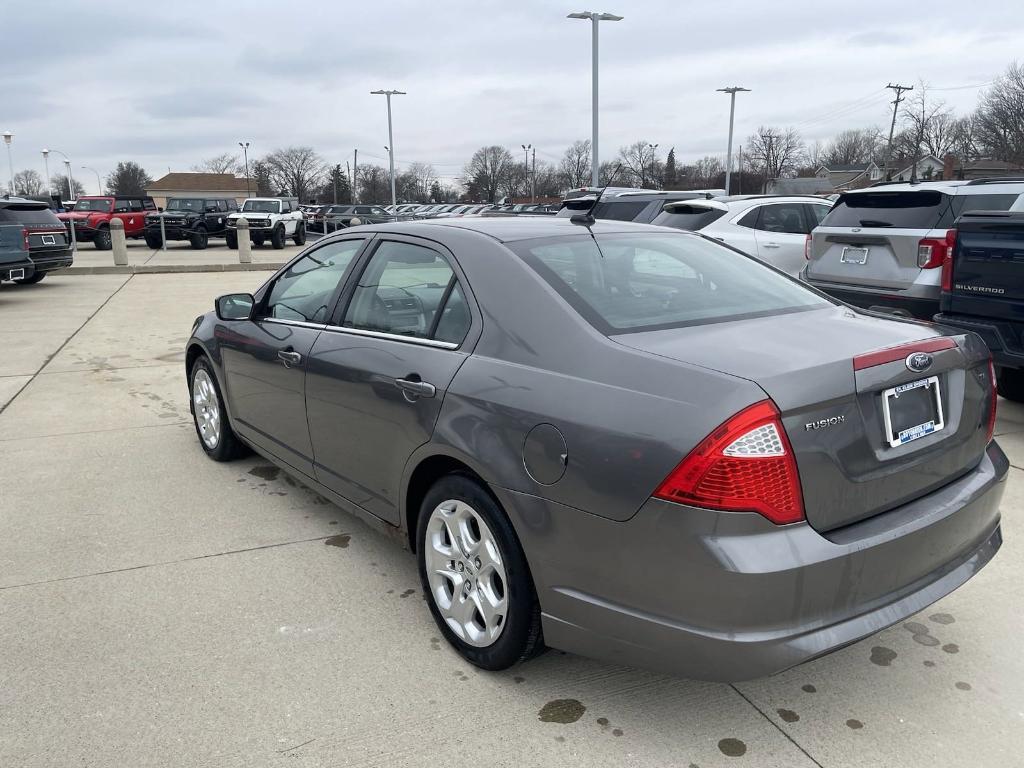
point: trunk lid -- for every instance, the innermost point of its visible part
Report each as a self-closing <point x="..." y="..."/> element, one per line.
<point x="987" y="268"/>
<point x="834" y="415"/>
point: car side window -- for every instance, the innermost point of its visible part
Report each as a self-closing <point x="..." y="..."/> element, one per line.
<point x="121" y="206"/>
<point x="148" y="204"/>
<point x="362" y="209"/>
<point x="401" y="290"/>
<point x="304" y="291"/>
<point x="785" y="218"/>
<point x="749" y="219"/>
<point x="135" y="205"/>
<point x="818" y="213"/>
<point x="454" y="320"/>
<point x="231" y="204"/>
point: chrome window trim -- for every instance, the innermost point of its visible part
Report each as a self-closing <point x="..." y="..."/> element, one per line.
<point x="299" y="323"/>
<point x="393" y="337"/>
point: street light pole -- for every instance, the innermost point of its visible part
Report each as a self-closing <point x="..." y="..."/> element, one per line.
<point x="526" y="164"/>
<point x="391" y="140"/>
<point x="99" y="186"/>
<point x="245" y="153"/>
<point x="732" y="91"/>
<point x="643" y="173"/>
<point x="67" y="172"/>
<point x="8" y="137"/>
<point x="595" y="18"/>
<point x="46" y="168"/>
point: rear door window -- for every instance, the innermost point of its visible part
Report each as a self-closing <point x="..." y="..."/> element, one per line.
<point x="688" y="217"/>
<point x="619" y="211"/>
<point x="785" y="218"/>
<point x="918" y="209"/>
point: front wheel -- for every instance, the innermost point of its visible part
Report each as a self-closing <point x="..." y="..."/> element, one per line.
<point x="102" y="240"/>
<point x="199" y="239"/>
<point x="153" y="240"/>
<point x="32" y="279"/>
<point x="299" y="238"/>
<point x="1010" y="383"/>
<point x="210" y="416"/>
<point x="277" y="237"/>
<point x="472" y="566"/>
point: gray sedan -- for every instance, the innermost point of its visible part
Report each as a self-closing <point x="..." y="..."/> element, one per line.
<point x="622" y="441"/>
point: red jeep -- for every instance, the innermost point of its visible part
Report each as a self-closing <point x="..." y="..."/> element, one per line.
<point x="92" y="214"/>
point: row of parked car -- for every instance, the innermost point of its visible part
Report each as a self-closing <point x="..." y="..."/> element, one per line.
<point x="332" y="217"/>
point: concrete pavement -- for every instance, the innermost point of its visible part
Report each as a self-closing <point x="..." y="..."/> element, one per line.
<point x="160" y="609"/>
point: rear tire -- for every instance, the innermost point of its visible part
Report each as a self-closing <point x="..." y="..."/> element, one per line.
<point x="152" y="241"/>
<point x="232" y="238"/>
<point x="213" y="427"/>
<point x="31" y="280"/>
<point x="299" y="238"/>
<point x="518" y="632"/>
<point x="102" y="240"/>
<point x="257" y="240"/>
<point x="277" y="238"/>
<point x="199" y="239"/>
<point x="1010" y="383"/>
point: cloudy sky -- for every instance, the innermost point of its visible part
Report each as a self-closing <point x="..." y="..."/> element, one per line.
<point x="167" y="84"/>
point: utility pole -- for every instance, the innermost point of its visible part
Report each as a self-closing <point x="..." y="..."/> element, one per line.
<point x="898" y="89"/>
<point x="533" y="186"/>
<point x="769" y="157"/>
<point x="732" y="91"/>
<point x="739" y="171"/>
<point x="351" y="182"/>
<point x="526" y="164"/>
<point x="355" y="172"/>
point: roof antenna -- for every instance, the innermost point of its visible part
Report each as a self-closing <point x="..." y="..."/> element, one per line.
<point x="586" y="219"/>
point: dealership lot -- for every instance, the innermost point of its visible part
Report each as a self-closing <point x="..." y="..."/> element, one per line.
<point x="162" y="609"/>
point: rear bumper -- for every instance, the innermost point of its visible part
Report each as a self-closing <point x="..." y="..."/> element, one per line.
<point x="1000" y="337"/>
<point x="921" y="307"/>
<point x="7" y="269"/>
<point x="727" y="596"/>
<point x="51" y="260"/>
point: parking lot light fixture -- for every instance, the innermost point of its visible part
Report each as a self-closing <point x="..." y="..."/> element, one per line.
<point x="732" y="91"/>
<point x="245" y="153"/>
<point x="99" y="185"/>
<point x="391" y="139"/>
<point x="67" y="169"/>
<point x="46" y="169"/>
<point x="8" y="138"/>
<point x="526" y="164"/>
<point x="594" y="18"/>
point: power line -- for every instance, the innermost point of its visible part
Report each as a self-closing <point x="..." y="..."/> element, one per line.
<point x="963" y="87"/>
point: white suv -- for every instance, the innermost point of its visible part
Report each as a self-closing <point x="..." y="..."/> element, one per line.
<point x="771" y="227"/>
<point x="270" y="218"/>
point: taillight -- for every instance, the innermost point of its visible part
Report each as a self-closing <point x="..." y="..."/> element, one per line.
<point x="992" y="407"/>
<point x="24" y="239"/>
<point x="807" y="247"/>
<point x="745" y="465"/>
<point x="947" y="263"/>
<point x="932" y="251"/>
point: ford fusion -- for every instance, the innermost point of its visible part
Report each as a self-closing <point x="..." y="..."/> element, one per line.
<point x="614" y="439"/>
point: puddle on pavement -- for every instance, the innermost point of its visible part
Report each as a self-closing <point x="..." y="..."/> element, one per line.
<point x="732" y="747"/>
<point x="882" y="656"/>
<point x="265" y="471"/>
<point x="341" y="540"/>
<point x="561" y="711"/>
<point x="788" y="715"/>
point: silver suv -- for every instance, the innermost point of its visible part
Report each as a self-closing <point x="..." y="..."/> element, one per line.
<point x="882" y="247"/>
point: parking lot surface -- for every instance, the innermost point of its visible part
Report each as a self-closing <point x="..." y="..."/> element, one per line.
<point x="160" y="609"/>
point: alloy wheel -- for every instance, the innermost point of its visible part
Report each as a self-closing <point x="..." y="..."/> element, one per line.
<point x="207" y="408"/>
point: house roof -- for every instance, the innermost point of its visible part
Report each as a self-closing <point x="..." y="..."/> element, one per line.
<point x="991" y="165"/>
<point x="841" y="178"/>
<point x="848" y="168"/>
<point x="208" y="182"/>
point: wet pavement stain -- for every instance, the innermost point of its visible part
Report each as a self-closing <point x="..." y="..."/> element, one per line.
<point x="563" y="711"/>
<point x="926" y="640"/>
<point x="788" y="715"/>
<point x="732" y="747"/>
<point x="616" y="731"/>
<point x="407" y="593"/>
<point x="882" y="656"/>
<point x="963" y="686"/>
<point x="854" y="724"/>
<point x="603" y="722"/>
<point x="951" y="648"/>
<point x="265" y="471"/>
<point x="341" y="540"/>
<point x="916" y="628"/>
<point x="560" y="739"/>
<point x="942" y="618"/>
<point x="929" y="663"/>
<point x="435" y="644"/>
<point x="517" y="679"/>
<point x="808" y="688"/>
<point x="333" y="522"/>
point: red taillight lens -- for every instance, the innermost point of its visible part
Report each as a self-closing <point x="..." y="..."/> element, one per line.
<point x="992" y="407"/>
<point x="746" y="465"/>
<point x="807" y="247"/>
<point x="24" y="239"/>
<point x="932" y="252"/>
<point x="947" y="261"/>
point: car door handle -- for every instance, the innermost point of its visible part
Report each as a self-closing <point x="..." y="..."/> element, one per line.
<point x="416" y="387"/>
<point x="772" y="245"/>
<point x="288" y="357"/>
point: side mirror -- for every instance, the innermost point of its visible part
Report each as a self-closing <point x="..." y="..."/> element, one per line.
<point x="234" y="306"/>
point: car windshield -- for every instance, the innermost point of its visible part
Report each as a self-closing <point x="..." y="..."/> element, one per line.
<point x="624" y="283"/>
<point x="261" y="206"/>
<point x="97" y="204"/>
<point x="184" y="204"/>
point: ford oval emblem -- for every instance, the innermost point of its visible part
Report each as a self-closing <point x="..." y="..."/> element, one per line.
<point x="919" y="362"/>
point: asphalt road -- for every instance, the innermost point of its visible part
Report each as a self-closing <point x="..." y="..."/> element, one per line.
<point x="159" y="609"/>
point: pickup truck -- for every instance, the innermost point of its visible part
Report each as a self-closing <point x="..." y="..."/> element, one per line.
<point x="92" y="214"/>
<point x="983" y="290"/>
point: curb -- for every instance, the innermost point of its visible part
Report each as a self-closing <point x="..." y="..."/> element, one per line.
<point x="157" y="269"/>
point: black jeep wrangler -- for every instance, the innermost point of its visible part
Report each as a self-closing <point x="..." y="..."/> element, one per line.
<point x="190" y="218"/>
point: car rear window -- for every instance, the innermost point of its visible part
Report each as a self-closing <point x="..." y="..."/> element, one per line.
<point x="962" y="203"/>
<point x="629" y="282"/>
<point x="619" y="211"/>
<point x="689" y="217"/>
<point x="29" y="214"/>
<point x="923" y="209"/>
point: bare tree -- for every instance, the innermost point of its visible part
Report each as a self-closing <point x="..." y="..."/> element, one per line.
<point x="28" y="182"/>
<point x="488" y="171"/>
<point x="575" y="164"/>
<point x="852" y="147"/>
<point x="226" y="163"/>
<point x="640" y="164"/>
<point x="374" y="184"/>
<point x="295" y="170"/>
<point x="706" y="173"/>
<point x="774" y="152"/>
<point x="1000" y="116"/>
<point x="59" y="186"/>
<point x="928" y="121"/>
<point x="964" y="138"/>
<point x="421" y="176"/>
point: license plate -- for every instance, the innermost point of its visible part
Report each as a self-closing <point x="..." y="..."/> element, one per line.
<point x="49" y="240"/>
<point x="854" y="256"/>
<point x="16" y="274"/>
<point x="912" y="411"/>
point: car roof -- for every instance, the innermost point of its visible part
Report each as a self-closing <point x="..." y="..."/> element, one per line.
<point x="949" y="186"/>
<point x="508" y="229"/>
<point x="6" y="201"/>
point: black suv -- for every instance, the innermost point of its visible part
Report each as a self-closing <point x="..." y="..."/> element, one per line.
<point x="627" y="204"/>
<point x="983" y="290"/>
<point x="340" y="216"/>
<point x="195" y="219"/>
<point x="33" y="241"/>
